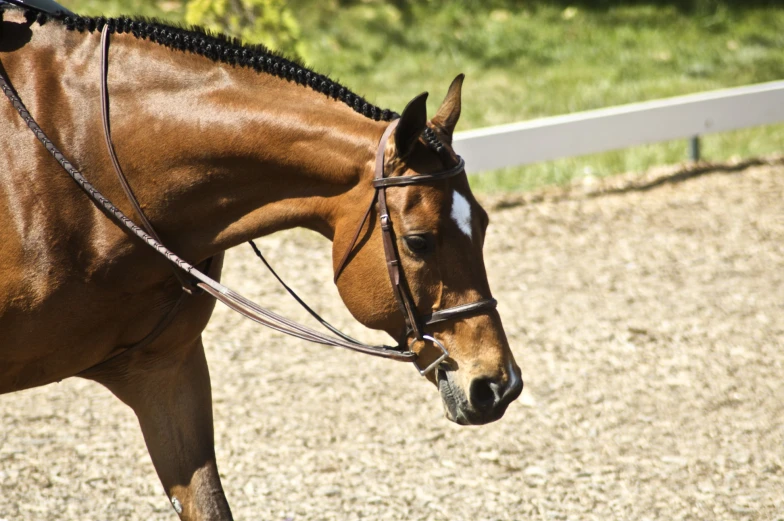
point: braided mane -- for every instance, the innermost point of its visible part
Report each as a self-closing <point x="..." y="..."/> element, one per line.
<point x="220" y="48"/>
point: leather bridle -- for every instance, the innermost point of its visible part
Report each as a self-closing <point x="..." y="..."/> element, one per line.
<point x="405" y="301"/>
<point x="192" y="278"/>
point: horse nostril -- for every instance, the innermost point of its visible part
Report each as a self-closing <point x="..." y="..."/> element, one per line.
<point x="482" y="393"/>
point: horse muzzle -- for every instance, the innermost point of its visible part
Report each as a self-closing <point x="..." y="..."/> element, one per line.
<point x="484" y="402"/>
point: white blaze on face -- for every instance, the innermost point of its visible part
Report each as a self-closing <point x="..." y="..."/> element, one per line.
<point x="461" y="213"/>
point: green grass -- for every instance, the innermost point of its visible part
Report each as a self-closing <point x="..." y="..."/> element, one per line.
<point x="529" y="62"/>
<point x="531" y="59"/>
<point x="171" y="11"/>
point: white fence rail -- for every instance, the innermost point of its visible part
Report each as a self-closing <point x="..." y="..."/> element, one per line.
<point x="620" y="127"/>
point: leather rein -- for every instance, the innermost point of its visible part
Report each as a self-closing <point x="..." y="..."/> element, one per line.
<point x="194" y="280"/>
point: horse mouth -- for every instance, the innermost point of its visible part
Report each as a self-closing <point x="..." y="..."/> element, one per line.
<point x="457" y="407"/>
<point x="453" y="398"/>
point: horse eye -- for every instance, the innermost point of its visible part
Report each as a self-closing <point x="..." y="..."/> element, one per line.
<point x="417" y="243"/>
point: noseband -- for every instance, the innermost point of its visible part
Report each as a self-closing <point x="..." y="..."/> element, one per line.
<point x="237" y="302"/>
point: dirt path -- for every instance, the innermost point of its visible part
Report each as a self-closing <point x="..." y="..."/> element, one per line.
<point x="650" y="329"/>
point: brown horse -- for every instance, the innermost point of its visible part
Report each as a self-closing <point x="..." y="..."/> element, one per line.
<point x="221" y="143"/>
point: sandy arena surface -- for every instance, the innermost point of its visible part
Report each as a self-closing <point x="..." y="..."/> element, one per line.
<point x="649" y="324"/>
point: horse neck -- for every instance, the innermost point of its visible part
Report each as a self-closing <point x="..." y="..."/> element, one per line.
<point x="219" y="155"/>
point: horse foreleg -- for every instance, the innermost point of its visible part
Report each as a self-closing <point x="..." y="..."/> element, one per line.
<point x="172" y="399"/>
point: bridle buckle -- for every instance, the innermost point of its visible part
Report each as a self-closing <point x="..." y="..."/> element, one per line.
<point x="444" y="355"/>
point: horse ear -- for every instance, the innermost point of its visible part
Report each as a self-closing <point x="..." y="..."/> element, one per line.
<point x="449" y="112"/>
<point x="412" y="123"/>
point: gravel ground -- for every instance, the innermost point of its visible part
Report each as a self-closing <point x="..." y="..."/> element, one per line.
<point x="649" y="324"/>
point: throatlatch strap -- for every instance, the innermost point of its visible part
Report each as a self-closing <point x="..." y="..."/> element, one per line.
<point x="353" y="242"/>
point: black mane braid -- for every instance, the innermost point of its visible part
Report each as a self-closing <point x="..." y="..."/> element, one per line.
<point x="221" y="48"/>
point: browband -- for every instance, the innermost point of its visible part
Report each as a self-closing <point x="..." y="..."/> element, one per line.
<point x="406" y="180"/>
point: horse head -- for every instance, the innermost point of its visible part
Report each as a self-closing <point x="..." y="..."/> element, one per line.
<point x="438" y="235"/>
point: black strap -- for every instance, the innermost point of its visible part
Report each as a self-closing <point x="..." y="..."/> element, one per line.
<point x="301" y="302"/>
<point x="353" y="242"/>
<point x="48" y="7"/>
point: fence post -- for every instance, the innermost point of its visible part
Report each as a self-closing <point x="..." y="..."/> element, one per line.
<point x="694" y="149"/>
